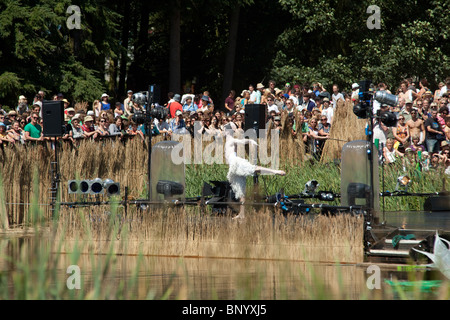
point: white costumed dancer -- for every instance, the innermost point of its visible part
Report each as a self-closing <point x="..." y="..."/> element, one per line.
<point x="239" y="168"/>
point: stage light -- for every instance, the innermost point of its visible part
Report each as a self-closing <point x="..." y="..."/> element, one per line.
<point x="169" y="188"/>
<point x="311" y="187"/>
<point x="403" y="182"/>
<point x="84" y="186"/>
<point x="74" y="186"/>
<point x="386" y="98"/>
<point x="112" y="188"/>
<point x="96" y="186"/>
<point x="326" y="195"/>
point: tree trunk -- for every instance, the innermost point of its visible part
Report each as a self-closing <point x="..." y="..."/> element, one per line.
<point x="124" y="54"/>
<point x="174" y="52"/>
<point x="230" y="55"/>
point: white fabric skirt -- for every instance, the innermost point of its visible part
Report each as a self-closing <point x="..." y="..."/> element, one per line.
<point x="237" y="173"/>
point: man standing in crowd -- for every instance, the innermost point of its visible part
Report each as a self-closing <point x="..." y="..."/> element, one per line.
<point x="175" y="105"/>
<point x="335" y="97"/>
<point x="33" y="130"/>
<point x="229" y="102"/>
<point x="434" y="132"/>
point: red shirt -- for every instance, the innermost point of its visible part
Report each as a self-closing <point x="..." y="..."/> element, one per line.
<point x="173" y="107"/>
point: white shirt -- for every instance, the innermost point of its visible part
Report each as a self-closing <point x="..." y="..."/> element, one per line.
<point x="273" y="107"/>
<point x="328" y="112"/>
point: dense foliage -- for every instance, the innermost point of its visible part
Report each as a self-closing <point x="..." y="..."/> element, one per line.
<point x="134" y="43"/>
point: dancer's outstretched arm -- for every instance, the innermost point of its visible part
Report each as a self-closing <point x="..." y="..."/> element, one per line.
<point x="244" y="141"/>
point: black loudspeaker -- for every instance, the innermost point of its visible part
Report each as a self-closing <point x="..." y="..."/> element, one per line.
<point x="53" y="116"/>
<point x="255" y="117"/>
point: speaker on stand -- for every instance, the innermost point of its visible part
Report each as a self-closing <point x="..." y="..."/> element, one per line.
<point x="53" y="118"/>
<point x="255" y="119"/>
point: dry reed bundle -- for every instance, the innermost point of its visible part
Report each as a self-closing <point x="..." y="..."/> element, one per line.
<point x="346" y="126"/>
<point x="81" y="106"/>
<point x="174" y="232"/>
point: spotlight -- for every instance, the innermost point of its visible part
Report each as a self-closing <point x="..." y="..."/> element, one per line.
<point x="169" y="188"/>
<point x="112" y="188"/>
<point x="140" y="98"/>
<point x="311" y="187"/>
<point x="96" y="186"/>
<point x="326" y="195"/>
<point x="403" y="182"/>
<point x="74" y="186"/>
<point x="386" y="98"/>
<point x="84" y="186"/>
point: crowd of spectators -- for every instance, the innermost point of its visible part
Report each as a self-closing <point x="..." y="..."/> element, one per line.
<point x="421" y="135"/>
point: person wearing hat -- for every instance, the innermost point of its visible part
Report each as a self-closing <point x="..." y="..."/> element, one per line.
<point x="355" y="91"/>
<point x="204" y="106"/>
<point x="259" y="92"/>
<point x="177" y="124"/>
<point x="4" y="135"/>
<point x="128" y="103"/>
<point x="105" y="102"/>
<point x="22" y="105"/>
<point x="70" y="112"/>
<point x="406" y="111"/>
<point x="175" y="105"/>
<point x="9" y="119"/>
<point x="327" y="110"/>
<point x="88" y="127"/>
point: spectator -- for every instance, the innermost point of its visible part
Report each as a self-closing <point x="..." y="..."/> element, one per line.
<point x="177" y="125"/>
<point x="416" y="126"/>
<point x="76" y="128"/>
<point x="105" y="105"/>
<point x="103" y="128"/>
<point x="128" y="103"/>
<point x="271" y="106"/>
<point x="204" y="104"/>
<point x="401" y="134"/>
<point x="327" y="110"/>
<point x="307" y="104"/>
<point x="406" y="111"/>
<point x="97" y="107"/>
<point x="189" y="105"/>
<point x="313" y="138"/>
<point x="33" y="130"/>
<point x="447" y="129"/>
<point x="118" y="112"/>
<point x="336" y="96"/>
<point x="88" y="127"/>
<point x="390" y="154"/>
<point x="16" y="132"/>
<point x="434" y="133"/>
<point x="416" y="145"/>
<point x="258" y="93"/>
<point x="115" y="129"/>
<point x="355" y="92"/>
<point x="229" y="101"/>
<point x="272" y="85"/>
<point x="22" y="105"/>
<point x="174" y="105"/>
<point x="245" y="99"/>
<point x="4" y="135"/>
<point x="134" y="131"/>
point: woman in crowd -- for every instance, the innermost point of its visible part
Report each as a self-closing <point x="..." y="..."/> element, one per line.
<point x="103" y="128"/>
<point x="16" y="132"/>
<point x="390" y="154"/>
<point x="4" y="135"/>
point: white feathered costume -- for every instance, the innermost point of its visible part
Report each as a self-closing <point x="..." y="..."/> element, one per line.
<point x="239" y="168"/>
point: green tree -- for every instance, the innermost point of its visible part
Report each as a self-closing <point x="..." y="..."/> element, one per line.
<point x="329" y="41"/>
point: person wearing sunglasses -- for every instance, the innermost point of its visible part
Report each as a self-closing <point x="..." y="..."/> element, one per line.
<point x="33" y="130"/>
